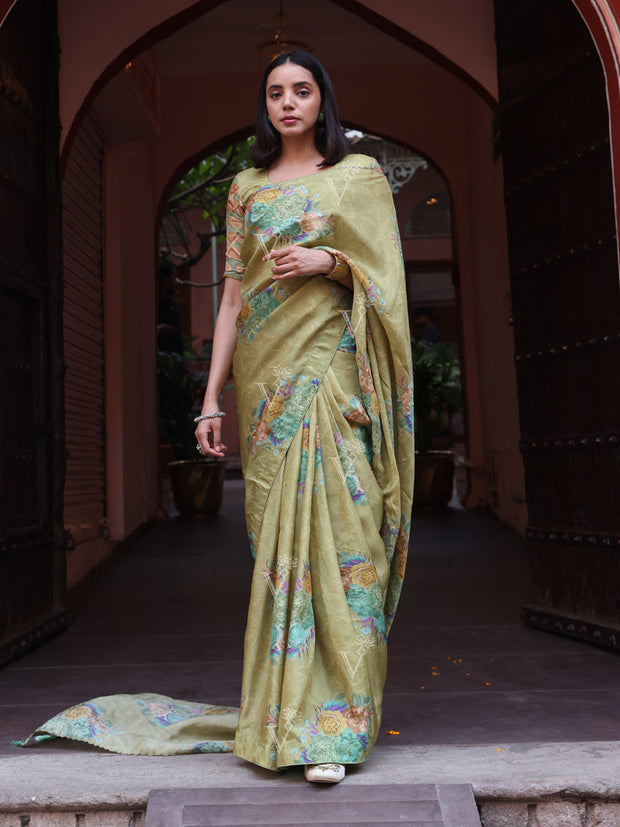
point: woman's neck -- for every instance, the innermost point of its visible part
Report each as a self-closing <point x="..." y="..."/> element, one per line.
<point x="298" y="157"/>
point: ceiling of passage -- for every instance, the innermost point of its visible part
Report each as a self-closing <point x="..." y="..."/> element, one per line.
<point x="227" y="38"/>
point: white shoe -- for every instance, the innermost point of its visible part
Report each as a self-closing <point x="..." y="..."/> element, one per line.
<point x="324" y="773"/>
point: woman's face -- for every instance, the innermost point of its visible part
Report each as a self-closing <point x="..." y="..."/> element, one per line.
<point x="293" y="100"/>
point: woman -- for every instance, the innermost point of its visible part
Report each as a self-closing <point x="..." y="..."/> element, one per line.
<point x="315" y="314"/>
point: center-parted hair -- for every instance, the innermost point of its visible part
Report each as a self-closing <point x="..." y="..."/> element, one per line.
<point x="329" y="137"/>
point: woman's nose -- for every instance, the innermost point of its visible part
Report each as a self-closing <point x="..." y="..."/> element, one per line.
<point x="287" y="100"/>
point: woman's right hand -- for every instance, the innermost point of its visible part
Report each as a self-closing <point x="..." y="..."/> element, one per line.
<point x="209" y="436"/>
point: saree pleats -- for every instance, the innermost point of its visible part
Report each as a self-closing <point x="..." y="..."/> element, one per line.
<point x="315" y="641"/>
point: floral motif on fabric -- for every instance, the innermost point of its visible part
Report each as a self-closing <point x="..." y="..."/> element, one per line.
<point x="346" y="458"/>
<point x="399" y="563"/>
<point x="369" y="398"/>
<point x="305" y="455"/>
<point x="339" y="732"/>
<point x="257" y="309"/>
<point x="389" y="534"/>
<point x="402" y="547"/>
<point x="211" y="747"/>
<point x="85" y="722"/>
<point x="374" y="297"/>
<point x="363" y="592"/>
<point x="347" y="343"/>
<point x="289" y="214"/>
<point x="361" y="443"/>
<point x="276" y="419"/>
<point x="292" y="625"/>
<point x="163" y="713"/>
<point x="404" y="402"/>
<point x="271" y="723"/>
<point x="235" y="221"/>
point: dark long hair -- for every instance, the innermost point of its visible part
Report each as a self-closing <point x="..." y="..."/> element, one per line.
<point x="329" y="137"/>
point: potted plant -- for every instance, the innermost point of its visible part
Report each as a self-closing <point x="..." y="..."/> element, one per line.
<point x="197" y="481"/>
<point x="437" y="395"/>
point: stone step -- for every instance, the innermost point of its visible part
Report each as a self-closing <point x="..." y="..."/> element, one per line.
<point x="424" y="805"/>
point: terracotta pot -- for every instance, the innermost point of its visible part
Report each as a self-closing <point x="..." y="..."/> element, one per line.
<point x="434" y="475"/>
<point x="197" y="485"/>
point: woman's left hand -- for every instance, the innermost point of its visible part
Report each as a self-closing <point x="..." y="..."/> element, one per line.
<point x="294" y="261"/>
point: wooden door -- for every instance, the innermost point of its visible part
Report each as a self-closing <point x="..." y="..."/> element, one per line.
<point x="553" y="134"/>
<point x="32" y="572"/>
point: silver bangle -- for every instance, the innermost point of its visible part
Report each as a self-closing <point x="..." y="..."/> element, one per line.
<point x="215" y="415"/>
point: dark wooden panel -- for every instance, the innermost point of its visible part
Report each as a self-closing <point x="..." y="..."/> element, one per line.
<point x="32" y="573"/>
<point x="554" y="138"/>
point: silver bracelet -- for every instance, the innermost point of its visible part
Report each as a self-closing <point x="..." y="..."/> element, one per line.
<point x="215" y="415"/>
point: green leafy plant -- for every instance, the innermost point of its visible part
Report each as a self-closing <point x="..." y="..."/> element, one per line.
<point x="177" y="389"/>
<point x="437" y="390"/>
<point x="203" y="187"/>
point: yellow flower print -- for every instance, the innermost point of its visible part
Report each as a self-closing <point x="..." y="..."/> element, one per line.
<point x="261" y="434"/>
<point x="78" y="712"/>
<point x="266" y="195"/>
<point x="332" y="722"/>
<point x="273" y="408"/>
<point x="305" y="439"/>
<point x="245" y="312"/>
<point x="402" y="543"/>
<point x="363" y="574"/>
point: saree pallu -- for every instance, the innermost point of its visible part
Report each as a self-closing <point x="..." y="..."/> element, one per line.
<point x="324" y="402"/>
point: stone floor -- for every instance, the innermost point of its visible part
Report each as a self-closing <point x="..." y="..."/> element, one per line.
<point x="473" y="695"/>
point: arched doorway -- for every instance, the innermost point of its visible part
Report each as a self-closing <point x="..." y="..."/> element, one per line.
<point x="443" y="116"/>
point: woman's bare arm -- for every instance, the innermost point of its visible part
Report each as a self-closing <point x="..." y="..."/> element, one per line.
<point x="209" y="431"/>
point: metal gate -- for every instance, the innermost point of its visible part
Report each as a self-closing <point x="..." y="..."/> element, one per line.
<point x="32" y="556"/>
<point x="553" y="133"/>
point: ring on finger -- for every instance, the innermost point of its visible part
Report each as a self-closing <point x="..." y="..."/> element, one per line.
<point x="198" y="448"/>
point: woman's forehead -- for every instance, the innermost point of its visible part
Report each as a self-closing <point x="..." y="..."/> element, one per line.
<point x="289" y="74"/>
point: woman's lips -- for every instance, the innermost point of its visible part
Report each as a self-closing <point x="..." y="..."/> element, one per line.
<point x="290" y="120"/>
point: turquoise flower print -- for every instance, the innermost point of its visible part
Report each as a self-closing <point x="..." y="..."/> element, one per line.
<point x="347" y="464"/>
<point x="288" y="214"/>
<point x="257" y="310"/>
<point x="363" y="593"/>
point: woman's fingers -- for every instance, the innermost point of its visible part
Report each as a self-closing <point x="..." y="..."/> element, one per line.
<point x="209" y="438"/>
<point x="293" y="261"/>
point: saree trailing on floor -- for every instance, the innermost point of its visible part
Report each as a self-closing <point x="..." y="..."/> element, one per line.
<point x="324" y="399"/>
<point x="324" y="402"/>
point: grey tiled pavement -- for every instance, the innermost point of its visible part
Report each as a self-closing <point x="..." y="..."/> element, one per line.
<point x="168" y="616"/>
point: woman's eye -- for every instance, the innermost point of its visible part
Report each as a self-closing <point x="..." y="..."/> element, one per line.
<point x="304" y="92"/>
